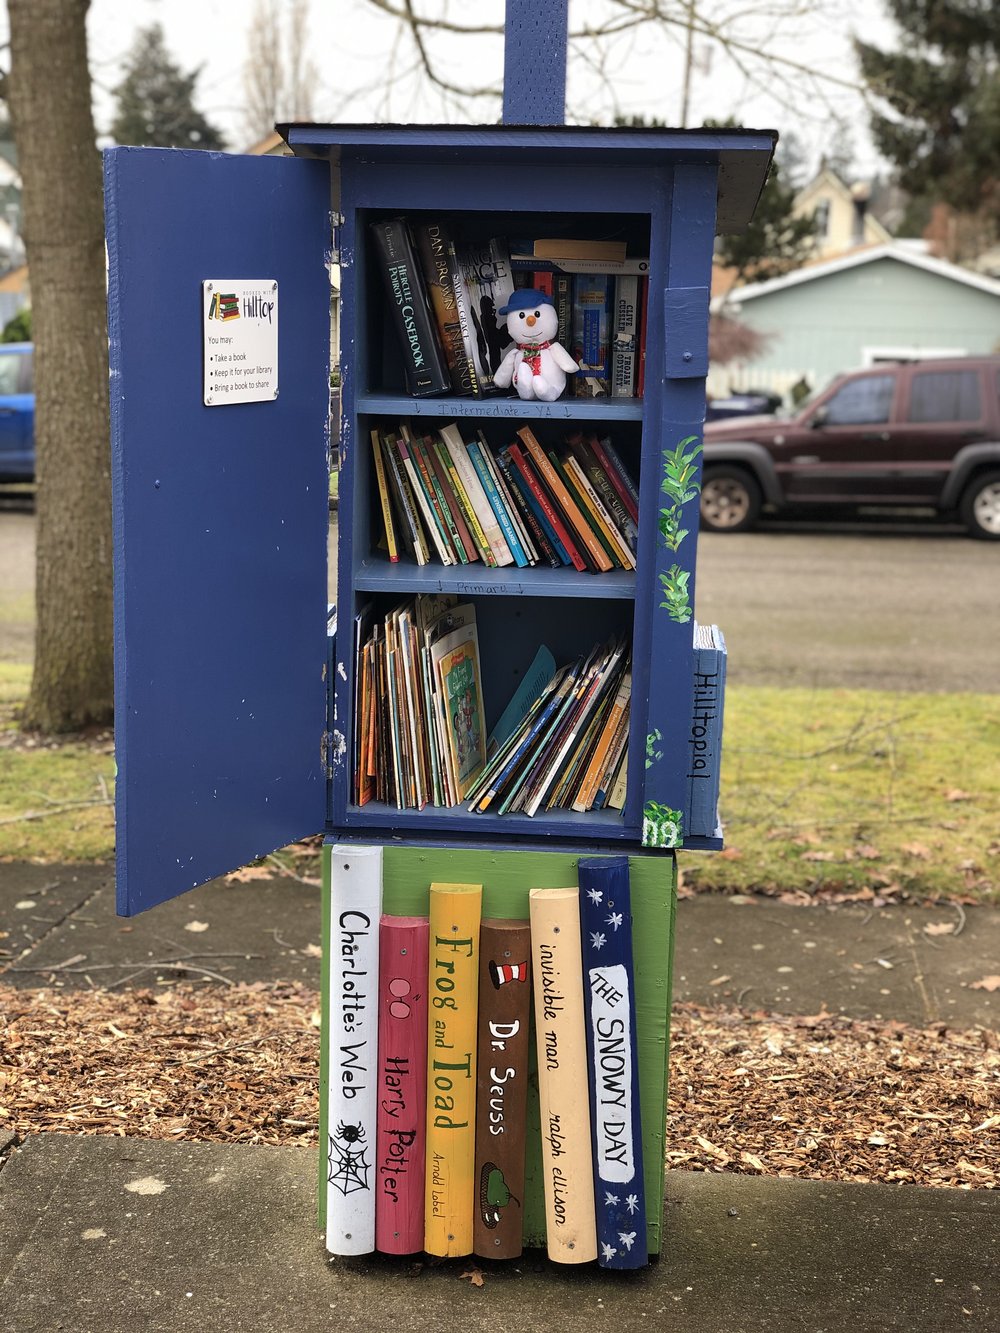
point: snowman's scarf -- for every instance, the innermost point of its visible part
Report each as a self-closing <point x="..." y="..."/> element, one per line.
<point x="533" y="355"/>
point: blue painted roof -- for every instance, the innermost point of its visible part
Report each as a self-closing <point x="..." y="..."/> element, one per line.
<point x="743" y="155"/>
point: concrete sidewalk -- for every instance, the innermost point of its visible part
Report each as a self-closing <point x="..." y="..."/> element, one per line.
<point x="101" y="1234"/>
<point x="859" y="961"/>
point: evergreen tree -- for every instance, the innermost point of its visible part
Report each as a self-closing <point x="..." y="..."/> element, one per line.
<point x="155" y="100"/>
<point x="937" y="114"/>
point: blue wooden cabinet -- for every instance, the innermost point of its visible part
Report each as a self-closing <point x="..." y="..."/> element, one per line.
<point x="232" y="718"/>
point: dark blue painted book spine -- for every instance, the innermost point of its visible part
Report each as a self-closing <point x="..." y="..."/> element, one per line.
<point x="609" y="1016"/>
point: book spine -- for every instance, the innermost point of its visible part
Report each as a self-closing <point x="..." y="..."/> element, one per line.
<point x="601" y="482"/>
<point x="497" y="504"/>
<point x="407" y="500"/>
<point x="625" y="337"/>
<point x="513" y="512"/>
<point x="423" y="361"/>
<point x="464" y="316"/>
<point x="616" y="799"/>
<point x="402" y="1084"/>
<point x="383" y="492"/>
<point x="613" y="1063"/>
<point x="609" y="735"/>
<point x="465" y="504"/>
<point x="490" y="528"/>
<point x="591" y="302"/>
<point x="559" y="529"/>
<point x="469" y="551"/>
<point x="421" y="488"/>
<point x="562" y="295"/>
<point x="439" y="499"/>
<point x="488" y="285"/>
<point x="502" y="1087"/>
<point x="643" y="313"/>
<point x="453" y="987"/>
<point x="570" y="265"/>
<point x="432" y="245"/>
<point x="529" y="518"/>
<point x="603" y="523"/>
<point x="616" y="755"/>
<point x="355" y="908"/>
<point x="610" y="460"/>
<point x="569" y="476"/>
<point x="566" y="501"/>
<point x="567" y="1170"/>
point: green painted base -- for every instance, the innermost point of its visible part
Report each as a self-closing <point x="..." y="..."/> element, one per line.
<point x="506" y="877"/>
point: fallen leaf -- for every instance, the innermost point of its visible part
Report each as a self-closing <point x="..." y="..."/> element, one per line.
<point x="819" y="856"/>
<point x="196" y="927"/>
<point x="992" y="1123"/>
<point x="475" y="1276"/>
<point x="717" y="981"/>
<point x="987" y="983"/>
<point x="729" y="854"/>
<point x="918" y="850"/>
<point x="312" y="951"/>
<point x="868" y="853"/>
<point x="753" y="1161"/>
<point x="939" y="927"/>
<point x="248" y="873"/>
<point x="884" y="962"/>
<point x="956" y="794"/>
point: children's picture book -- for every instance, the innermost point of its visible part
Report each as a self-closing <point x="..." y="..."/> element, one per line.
<point x="455" y="658"/>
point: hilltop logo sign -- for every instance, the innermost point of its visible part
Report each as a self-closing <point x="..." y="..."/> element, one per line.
<point x="240" y="339"/>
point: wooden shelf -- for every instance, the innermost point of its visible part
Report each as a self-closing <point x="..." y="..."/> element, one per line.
<point x="564" y="409"/>
<point x="378" y="574"/>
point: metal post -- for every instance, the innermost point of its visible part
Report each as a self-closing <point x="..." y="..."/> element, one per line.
<point x="534" y="66"/>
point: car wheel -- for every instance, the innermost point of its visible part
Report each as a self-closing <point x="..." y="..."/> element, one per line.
<point x="980" y="508"/>
<point x="730" y="500"/>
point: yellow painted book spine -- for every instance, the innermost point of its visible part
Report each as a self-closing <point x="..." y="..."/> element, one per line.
<point x="563" y="1097"/>
<point x="452" y="1011"/>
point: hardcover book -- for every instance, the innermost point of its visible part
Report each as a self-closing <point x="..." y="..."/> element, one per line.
<point x="501" y="1104"/>
<point x="591" y="347"/>
<point x="613" y="1061"/>
<point x="424" y="365"/>
<point x="355" y="908"/>
<point x="435" y="248"/>
<point x="402" y="1084"/>
<point x="568" y="1178"/>
<point x="625" y="337"/>
<point x="453" y="991"/>
<point x="489" y="285"/>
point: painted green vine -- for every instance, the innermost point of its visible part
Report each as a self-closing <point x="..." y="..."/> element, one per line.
<point x="680" y="485"/>
<point x="653" y="754"/>
<point x="674" y="586"/>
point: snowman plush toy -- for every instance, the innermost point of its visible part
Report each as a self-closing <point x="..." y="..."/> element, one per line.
<point x="537" y="365"/>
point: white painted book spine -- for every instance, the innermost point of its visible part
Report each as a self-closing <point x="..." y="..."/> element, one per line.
<point x="355" y="909"/>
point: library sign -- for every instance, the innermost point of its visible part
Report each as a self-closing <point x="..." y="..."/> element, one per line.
<point x="240" y="334"/>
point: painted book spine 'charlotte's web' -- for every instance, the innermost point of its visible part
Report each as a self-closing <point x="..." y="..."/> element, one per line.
<point x="453" y="991"/>
<point x="355" y="908"/>
<point x="609" y="1000"/>
<point x="402" y="1085"/>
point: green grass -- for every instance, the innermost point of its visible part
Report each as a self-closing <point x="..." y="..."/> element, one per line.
<point x="821" y="790"/>
<point x="852" y="789"/>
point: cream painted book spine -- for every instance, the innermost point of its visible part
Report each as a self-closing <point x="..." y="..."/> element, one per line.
<point x="355" y="909"/>
<point x="564" y="1104"/>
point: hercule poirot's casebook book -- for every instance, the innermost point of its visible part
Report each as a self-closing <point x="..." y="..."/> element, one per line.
<point x="409" y="310"/>
<point x="609" y="1001"/>
<point x="501" y="1108"/>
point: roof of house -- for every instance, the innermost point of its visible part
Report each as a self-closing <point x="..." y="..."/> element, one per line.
<point x="868" y="255"/>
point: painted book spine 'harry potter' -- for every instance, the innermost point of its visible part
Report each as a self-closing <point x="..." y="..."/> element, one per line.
<point x="501" y="1104"/>
<point x="453" y="992"/>
<point x="570" y="1228"/>
<point x="609" y="999"/>
<point x="424" y="365"/>
<point x="402" y="1085"/>
<point x="355" y="907"/>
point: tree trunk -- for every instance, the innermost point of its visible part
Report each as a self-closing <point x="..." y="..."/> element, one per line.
<point x="48" y="93"/>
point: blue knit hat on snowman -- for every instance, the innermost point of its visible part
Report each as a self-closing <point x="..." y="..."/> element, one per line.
<point x="526" y="299"/>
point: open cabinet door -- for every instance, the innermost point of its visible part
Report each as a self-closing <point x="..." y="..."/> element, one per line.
<point x="220" y="519"/>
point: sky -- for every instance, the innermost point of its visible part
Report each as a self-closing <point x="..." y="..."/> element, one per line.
<point x="362" y="66"/>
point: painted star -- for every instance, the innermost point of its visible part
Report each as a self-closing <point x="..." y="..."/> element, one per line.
<point x="610" y="1199"/>
<point x="615" y="919"/>
<point x="595" y="895"/>
<point x="632" y="1202"/>
<point x="626" y="1238"/>
<point x="597" y="939"/>
<point x="609" y="1250"/>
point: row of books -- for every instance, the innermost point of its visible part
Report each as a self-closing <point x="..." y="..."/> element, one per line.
<point x="458" y="501"/>
<point x="428" y="1089"/>
<point x="444" y="299"/>
<point x="419" y="734"/>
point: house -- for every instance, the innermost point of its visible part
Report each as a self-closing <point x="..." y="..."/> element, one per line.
<point x="843" y="216"/>
<point x="876" y="303"/>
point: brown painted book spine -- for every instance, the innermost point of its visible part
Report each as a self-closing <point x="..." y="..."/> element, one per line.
<point x="501" y="1101"/>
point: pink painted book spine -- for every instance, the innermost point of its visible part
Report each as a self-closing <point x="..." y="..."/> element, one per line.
<point x="401" y="1085"/>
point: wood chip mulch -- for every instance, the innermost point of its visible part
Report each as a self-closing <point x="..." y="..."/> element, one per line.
<point x="820" y="1098"/>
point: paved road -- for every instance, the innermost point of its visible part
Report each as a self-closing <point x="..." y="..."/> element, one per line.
<point x="854" y="605"/>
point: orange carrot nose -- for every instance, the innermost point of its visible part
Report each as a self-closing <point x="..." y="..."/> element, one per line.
<point x="530" y="321"/>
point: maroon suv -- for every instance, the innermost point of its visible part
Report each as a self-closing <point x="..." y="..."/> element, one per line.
<point x="921" y="433"/>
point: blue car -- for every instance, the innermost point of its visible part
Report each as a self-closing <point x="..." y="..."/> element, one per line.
<point x="17" y="412"/>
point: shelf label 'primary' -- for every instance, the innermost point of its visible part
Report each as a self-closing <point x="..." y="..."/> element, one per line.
<point x="240" y="331"/>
